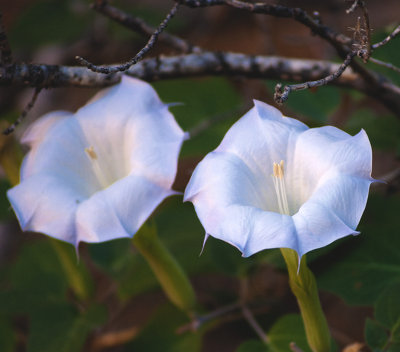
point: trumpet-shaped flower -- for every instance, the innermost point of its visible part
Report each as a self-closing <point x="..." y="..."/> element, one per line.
<point x="275" y="183"/>
<point x="98" y="174"/>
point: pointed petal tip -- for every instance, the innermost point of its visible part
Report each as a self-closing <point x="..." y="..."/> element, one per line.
<point x="267" y="111"/>
<point x="173" y="104"/>
<point x="204" y="243"/>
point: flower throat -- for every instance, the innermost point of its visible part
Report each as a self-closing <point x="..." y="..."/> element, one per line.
<point x="280" y="187"/>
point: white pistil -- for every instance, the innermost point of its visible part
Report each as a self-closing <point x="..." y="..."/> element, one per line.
<point x="96" y="167"/>
<point x="280" y="188"/>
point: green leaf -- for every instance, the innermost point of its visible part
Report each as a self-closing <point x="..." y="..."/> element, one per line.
<point x="287" y="329"/>
<point x="387" y="307"/>
<point x="383" y="334"/>
<point x="375" y="335"/>
<point x="7" y="335"/>
<point x="36" y="279"/>
<point x="253" y="346"/>
<point x="361" y="267"/>
<point x="60" y="327"/>
<point x="160" y="334"/>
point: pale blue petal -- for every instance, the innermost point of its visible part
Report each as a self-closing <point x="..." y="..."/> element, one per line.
<point x="46" y="204"/>
<point x="251" y="229"/>
<point x="317" y="226"/>
<point x="119" y="210"/>
<point x="344" y="195"/>
<point x="141" y="134"/>
<point x="261" y="137"/>
<point x="38" y="130"/>
<point x="61" y="153"/>
<point x="321" y="151"/>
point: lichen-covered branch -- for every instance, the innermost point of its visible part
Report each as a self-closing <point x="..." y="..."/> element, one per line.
<point x="190" y="65"/>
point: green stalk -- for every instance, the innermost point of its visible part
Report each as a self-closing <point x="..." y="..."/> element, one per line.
<point x="77" y="275"/>
<point x="169" y="273"/>
<point x="304" y="287"/>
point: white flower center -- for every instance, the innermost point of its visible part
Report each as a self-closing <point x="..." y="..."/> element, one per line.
<point x="96" y="167"/>
<point x="280" y="187"/>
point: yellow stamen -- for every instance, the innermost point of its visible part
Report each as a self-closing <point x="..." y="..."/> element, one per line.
<point x="91" y="153"/>
<point x="96" y="167"/>
<point x="280" y="188"/>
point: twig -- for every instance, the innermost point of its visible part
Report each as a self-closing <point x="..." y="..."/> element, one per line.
<point x="387" y="39"/>
<point x="5" y="49"/>
<point x="281" y="96"/>
<point x="248" y="315"/>
<point x="294" y="347"/>
<point x="197" y="322"/>
<point x="300" y="15"/>
<point x="30" y="105"/>
<point x="140" y="26"/>
<point x="385" y="64"/>
<point x="139" y="55"/>
<point x="353" y="7"/>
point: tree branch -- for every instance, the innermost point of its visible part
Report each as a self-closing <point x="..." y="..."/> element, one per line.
<point x="140" y="26"/>
<point x="25" y="112"/>
<point x="190" y="65"/>
<point x="139" y="56"/>
<point x="281" y="96"/>
<point x="378" y="86"/>
<point x="392" y="35"/>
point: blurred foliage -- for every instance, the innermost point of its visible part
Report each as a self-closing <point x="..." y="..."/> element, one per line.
<point x="64" y="21"/>
<point x="383" y="333"/>
<point x="370" y="261"/>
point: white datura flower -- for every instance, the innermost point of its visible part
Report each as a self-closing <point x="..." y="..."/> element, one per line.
<point x="275" y="183"/>
<point x="99" y="173"/>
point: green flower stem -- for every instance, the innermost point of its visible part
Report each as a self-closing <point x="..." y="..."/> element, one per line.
<point x="304" y="287"/>
<point x="169" y="273"/>
<point x="78" y="277"/>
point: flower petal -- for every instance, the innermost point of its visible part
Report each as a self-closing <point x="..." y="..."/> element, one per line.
<point x="324" y="150"/>
<point x="42" y="205"/>
<point x="141" y="133"/>
<point x="261" y="137"/>
<point x="327" y="174"/>
<point x="61" y="153"/>
<point x="119" y="210"/>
